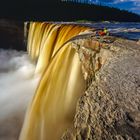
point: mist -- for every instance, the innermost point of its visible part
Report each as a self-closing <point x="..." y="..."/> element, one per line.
<point x="17" y="87"/>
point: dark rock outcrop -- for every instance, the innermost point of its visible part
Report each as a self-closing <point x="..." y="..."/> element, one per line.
<point x="12" y="35"/>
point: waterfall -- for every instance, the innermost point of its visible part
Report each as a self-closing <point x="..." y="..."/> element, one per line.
<point x="53" y="106"/>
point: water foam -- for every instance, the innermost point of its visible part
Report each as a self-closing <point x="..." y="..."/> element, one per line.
<point x="17" y="85"/>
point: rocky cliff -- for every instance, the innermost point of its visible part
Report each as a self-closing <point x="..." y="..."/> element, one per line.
<point x="110" y="107"/>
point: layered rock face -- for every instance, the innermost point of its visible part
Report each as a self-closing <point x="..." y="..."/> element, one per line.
<point x="110" y="107"/>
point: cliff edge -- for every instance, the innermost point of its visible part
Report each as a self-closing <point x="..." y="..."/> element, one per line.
<point x="110" y="107"/>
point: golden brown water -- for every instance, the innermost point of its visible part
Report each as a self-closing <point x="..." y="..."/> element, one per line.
<point x="53" y="107"/>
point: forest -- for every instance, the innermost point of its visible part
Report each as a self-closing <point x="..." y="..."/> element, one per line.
<point x="63" y="11"/>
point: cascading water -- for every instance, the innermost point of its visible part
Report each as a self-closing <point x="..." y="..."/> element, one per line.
<point x="54" y="50"/>
<point x="53" y="106"/>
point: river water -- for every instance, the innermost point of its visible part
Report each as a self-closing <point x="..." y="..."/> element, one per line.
<point x="126" y="30"/>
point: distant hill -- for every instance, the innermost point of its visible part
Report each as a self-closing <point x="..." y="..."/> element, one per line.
<point x="63" y="11"/>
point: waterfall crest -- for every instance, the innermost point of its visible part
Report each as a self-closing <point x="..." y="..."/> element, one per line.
<point x="53" y="106"/>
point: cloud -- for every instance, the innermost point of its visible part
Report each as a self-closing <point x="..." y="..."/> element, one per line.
<point x="130" y="5"/>
<point x="119" y="1"/>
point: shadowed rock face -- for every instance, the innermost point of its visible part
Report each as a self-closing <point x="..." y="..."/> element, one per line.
<point x="12" y="35"/>
<point x="110" y="107"/>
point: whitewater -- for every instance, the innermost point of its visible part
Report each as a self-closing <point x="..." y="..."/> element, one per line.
<point x="17" y="86"/>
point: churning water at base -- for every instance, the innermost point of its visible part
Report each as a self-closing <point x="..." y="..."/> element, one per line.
<point x="17" y="86"/>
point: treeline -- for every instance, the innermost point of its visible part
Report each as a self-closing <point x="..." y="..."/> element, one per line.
<point x="105" y="13"/>
<point x="65" y="11"/>
<point x="96" y="12"/>
<point x="79" y="1"/>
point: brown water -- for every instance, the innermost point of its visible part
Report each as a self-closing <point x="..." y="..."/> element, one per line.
<point x="53" y="106"/>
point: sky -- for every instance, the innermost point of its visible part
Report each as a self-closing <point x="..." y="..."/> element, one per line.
<point x="130" y="5"/>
